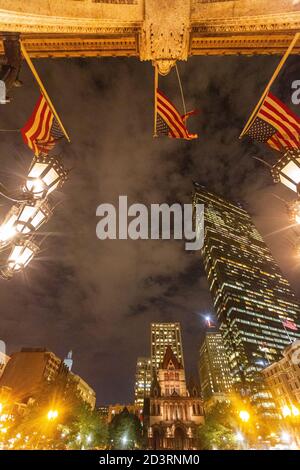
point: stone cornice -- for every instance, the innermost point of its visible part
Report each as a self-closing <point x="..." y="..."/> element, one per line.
<point x="39" y="24"/>
<point x="245" y="24"/>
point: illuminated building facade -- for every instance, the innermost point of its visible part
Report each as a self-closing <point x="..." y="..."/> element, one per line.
<point x="251" y="297"/>
<point x="163" y="335"/>
<point x="143" y="377"/>
<point x="3" y="361"/>
<point x="283" y="379"/>
<point x="175" y="410"/>
<point x="83" y="389"/>
<point x="214" y="371"/>
<point x="28" y="369"/>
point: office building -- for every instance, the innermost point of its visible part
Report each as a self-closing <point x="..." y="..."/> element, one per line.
<point x="163" y="335"/>
<point x="28" y="369"/>
<point x="142" y="381"/>
<point x="214" y="371"/>
<point x="251" y="297"/>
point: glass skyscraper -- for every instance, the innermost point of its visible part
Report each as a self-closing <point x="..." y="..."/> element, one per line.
<point x="214" y="371"/>
<point x="251" y="296"/>
<point x="163" y="335"/>
<point x="143" y="378"/>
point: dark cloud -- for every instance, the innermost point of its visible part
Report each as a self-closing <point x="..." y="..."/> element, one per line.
<point x="98" y="298"/>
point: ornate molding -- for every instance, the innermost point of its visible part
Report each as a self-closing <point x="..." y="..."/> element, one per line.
<point x="42" y="24"/>
<point x="162" y="31"/>
<point x="164" y="37"/>
<point x="244" y="24"/>
<point x="81" y="47"/>
<point x="250" y="45"/>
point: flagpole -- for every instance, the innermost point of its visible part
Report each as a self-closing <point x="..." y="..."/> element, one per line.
<point x="273" y="78"/>
<point x="155" y="99"/>
<point x="43" y="90"/>
<point x="287" y="333"/>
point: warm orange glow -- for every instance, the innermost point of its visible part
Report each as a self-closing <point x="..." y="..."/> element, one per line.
<point x="52" y="415"/>
<point x="244" y="416"/>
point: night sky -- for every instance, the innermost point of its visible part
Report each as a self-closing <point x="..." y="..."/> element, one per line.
<point x="98" y="298"/>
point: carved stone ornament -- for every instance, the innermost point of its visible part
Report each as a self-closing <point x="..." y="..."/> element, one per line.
<point x="164" y="36"/>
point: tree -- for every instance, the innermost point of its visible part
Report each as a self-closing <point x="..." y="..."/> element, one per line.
<point x="84" y="428"/>
<point x="125" y="431"/>
<point x="218" y="430"/>
<point x="74" y="424"/>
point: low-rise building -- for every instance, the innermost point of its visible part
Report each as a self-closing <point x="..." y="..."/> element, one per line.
<point x="283" y="377"/>
<point x="28" y="369"/>
<point x="83" y="389"/>
<point x="118" y="408"/>
<point x="3" y="361"/>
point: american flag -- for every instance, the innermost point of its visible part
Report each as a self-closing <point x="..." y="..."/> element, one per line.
<point x="169" y="121"/>
<point x="42" y="131"/>
<point x="290" y="325"/>
<point x="275" y="125"/>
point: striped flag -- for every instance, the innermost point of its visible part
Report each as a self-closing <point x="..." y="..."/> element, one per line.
<point x="275" y="125"/>
<point x="42" y="131"/>
<point x="169" y="121"/>
<point x="290" y="325"/>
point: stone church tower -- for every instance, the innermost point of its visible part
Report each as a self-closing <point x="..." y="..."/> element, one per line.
<point x="174" y="410"/>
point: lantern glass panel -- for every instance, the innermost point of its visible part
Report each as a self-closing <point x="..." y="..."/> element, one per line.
<point x="37" y="169"/>
<point x="292" y="170"/>
<point x="35" y="186"/>
<point x="32" y="217"/>
<point x="8" y="229"/>
<point x="20" y="256"/>
<point x="50" y="177"/>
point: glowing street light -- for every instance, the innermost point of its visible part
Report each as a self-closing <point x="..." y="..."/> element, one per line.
<point x="244" y="416"/>
<point x="52" y="415"/>
<point x="288" y="411"/>
<point x="285" y="437"/>
<point x="45" y="175"/>
<point x="287" y="170"/>
<point x="31" y="216"/>
<point x="239" y="437"/>
<point x="21" y="254"/>
<point x="7" y="228"/>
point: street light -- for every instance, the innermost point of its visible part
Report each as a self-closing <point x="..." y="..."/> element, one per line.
<point x="290" y="411"/>
<point x="244" y="416"/>
<point x="31" y="216"/>
<point x="21" y="254"/>
<point x="45" y="175"/>
<point x="52" y="415"/>
<point x="287" y="170"/>
<point x="7" y="228"/>
<point x="239" y="437"/>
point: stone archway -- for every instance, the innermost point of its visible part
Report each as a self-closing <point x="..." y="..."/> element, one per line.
<point x="179" y="439"/>
<point x="156" y="440"/>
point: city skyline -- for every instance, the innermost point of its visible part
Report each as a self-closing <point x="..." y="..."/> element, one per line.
<point x="98" y="301"/>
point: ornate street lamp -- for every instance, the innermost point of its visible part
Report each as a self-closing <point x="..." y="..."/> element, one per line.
<point x="31" y="216"/>
<point x="8" y="228"/>
<point x="287" y="170"/>
<point x="45" y="175"/>
<point x="21" y="254"/>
